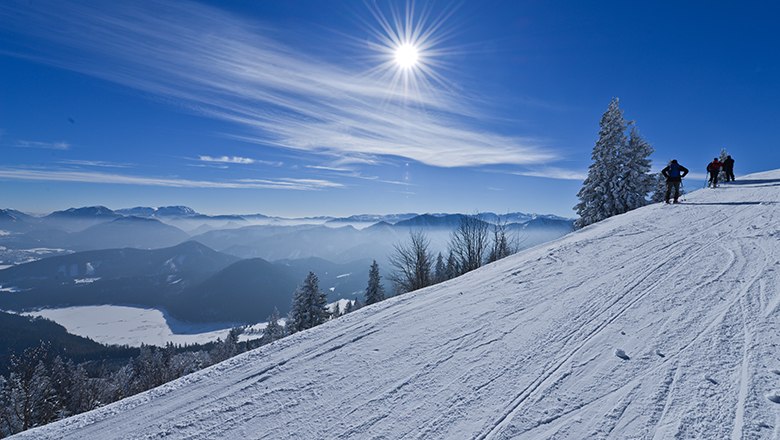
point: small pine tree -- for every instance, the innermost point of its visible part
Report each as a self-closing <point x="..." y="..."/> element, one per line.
<point x="273" y="331"/>
<point x="440" y="270"/>
<point x="452" y="270"/>
<point x="310" y="305"/>
<point x="374" y="292"/>
<point x="227" y="348"/>
<point x="349" y="308"/>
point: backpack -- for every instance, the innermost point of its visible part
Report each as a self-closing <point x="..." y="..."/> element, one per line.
<point x="713" y="166"/>
<point x="674" y="171"/>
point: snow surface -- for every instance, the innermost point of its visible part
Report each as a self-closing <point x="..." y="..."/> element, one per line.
<point x="133" y="326"/>
<point x="523" y="348"/>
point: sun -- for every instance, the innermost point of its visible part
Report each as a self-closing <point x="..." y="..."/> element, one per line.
<point x="409" y="49"/>
<point x="407" y="55"/>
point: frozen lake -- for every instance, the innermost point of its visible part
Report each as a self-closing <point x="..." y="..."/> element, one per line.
<point x="133" y="326"/>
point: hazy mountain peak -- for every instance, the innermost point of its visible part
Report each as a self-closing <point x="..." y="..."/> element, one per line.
<point x="85" y="212"/>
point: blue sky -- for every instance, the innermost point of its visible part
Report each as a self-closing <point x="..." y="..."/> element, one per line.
<point x="299" y="108"/>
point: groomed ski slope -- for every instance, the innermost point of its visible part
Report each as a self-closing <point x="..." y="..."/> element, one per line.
<point x="526" y="348"/>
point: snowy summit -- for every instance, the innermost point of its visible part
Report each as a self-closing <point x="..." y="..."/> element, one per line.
<point x="659" y="323"/>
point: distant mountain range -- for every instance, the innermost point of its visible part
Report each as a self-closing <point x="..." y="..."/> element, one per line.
<point x="212" y="268"/>
<point x="346" y="243"/>
<point x="190" y="280"/>
<point x="77" y="219"/>
<point x="247" y="236"/>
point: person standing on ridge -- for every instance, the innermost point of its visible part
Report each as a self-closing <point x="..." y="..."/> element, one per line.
<point x="674" y="172"/>
<point x="728" y="168"/>
<point x="713" y="168"/>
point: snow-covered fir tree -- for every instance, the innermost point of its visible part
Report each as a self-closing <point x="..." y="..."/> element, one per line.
<point x="618" y="178"/>
<point x="374" y="291"/>
<point x="335" y="311"/>
<point x="273" y="331"/>
<point x="28" y="397"/>
<point x="636" y="181"/>
<point x="659" y="193"/>
<point x="598" y="195"/>
<point x="310" y="305"/>
<point x="722" y="158"/>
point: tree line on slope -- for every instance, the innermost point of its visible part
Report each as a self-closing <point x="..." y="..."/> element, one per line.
<point x="43" y="385"/>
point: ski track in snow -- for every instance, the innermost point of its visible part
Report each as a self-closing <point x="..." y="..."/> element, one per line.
<point x="524" y="348"/>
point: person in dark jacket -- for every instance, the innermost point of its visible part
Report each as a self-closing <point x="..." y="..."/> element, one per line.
<point x="713" y="168"/>
<point x="728" y="168"/>
<point x="674" y="173"/>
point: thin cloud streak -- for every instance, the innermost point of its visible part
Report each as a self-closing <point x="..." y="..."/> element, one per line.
<point x="123" y="179"/>
<point x="327" y="168"/>
<point x="43" y="145"/>
<point x="234" y="71"/>
<point x="553" y="173"/>
<point x="227" y="159"/>
<point x="95" y="163"/>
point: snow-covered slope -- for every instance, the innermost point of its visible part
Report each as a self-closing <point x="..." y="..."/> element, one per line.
<point x="661" y="323"/>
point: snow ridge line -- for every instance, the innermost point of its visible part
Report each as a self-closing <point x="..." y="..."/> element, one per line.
<point x="526" y="393"/>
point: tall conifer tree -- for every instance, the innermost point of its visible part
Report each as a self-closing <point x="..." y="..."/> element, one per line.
<point x="619" y="178"/>
<point x="374" y="292"/>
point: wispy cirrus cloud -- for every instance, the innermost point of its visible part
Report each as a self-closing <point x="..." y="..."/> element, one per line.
<point x="229" y="69"/>
<point x="553" y="173"/>
<point x="354" y="174"/>
<point x="61" y="145"/>
<point x="227" y="159"/>
<point x="329" y="168"/>
<point x="126" y="179"/>
<point x="95" y="163"/>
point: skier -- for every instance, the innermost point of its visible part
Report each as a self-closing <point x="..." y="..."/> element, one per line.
<point x="674" y="172"/>
<point x="728" y="168"/>
<point x="713" y="168"/>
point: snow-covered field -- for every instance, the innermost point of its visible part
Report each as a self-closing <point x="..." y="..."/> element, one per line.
<point x="131" y="326"/>
<point x="661" y="323"/>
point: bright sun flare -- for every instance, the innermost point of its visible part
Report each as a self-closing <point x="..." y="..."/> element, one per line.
<point x="406" y="56"/>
